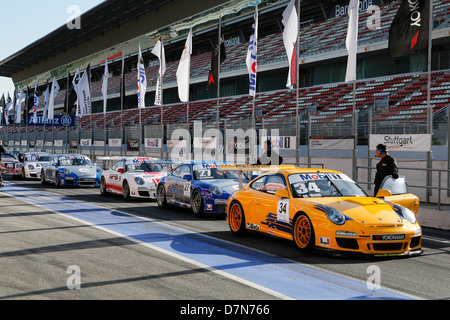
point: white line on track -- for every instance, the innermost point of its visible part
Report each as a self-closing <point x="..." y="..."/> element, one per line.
<point x="166" y="252"/>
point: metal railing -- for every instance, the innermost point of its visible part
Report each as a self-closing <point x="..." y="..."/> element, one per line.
<point x="428" y="187"/>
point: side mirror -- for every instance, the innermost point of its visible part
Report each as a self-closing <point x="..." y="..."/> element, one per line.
<point x="282" y="193"/>
<point x="121" y="170"/>
<point x="187" y="177"/>
<point x="383" y="193"/>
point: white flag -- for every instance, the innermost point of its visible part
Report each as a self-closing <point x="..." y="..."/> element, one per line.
<point x="184" y="70"/>
<point x="75" y="81"/>
<point x="290" y="35"/>
<point x="158" y="51"/>
<point x="35" y="103"/>
<point x="352" y="40"/>
<point x="18" y="113"/>
<point x="105" y="86"/>
<point x="84" y="93"/>
<point x="51" y="104"/>
<point x="142" y="80"/>
<point x="8" y="105"/>
<point x="252" y="55"/>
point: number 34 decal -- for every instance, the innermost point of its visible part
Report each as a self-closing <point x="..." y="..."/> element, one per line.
<point x="283" y="210"/>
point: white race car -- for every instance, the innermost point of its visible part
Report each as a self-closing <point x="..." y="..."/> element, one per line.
<point x="33" y="163"/>
<point x="133" y="177"/>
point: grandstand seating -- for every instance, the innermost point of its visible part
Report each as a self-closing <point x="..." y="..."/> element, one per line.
<point x="407" y="94"/>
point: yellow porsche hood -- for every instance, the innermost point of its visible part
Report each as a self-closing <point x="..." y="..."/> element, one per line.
<point x="367" y="210"/>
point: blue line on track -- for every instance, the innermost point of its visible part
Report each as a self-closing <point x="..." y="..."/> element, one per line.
<point x="289" y="278"/>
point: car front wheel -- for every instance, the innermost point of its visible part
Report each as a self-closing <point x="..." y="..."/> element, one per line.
<point x="303" y="233"/>
<point x="236" y="218"/>
<point x="197" y="202"/>
<point x="161" y="196"/>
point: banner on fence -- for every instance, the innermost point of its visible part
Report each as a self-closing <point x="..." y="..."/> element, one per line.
<point x="60" y="121"/>
<point x="281" y="142"/>
<point x="331" y="143"/>
<point x="402" y="142"/>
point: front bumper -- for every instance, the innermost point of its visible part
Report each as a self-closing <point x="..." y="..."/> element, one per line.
<point x="81" y="181"/>
<point x="378" y="242"/>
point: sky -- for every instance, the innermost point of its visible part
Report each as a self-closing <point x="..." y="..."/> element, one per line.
<point x="23" y="22"/>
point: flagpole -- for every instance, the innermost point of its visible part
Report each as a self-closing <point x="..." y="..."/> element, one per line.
<point x="161" y="86"/>
<point x="429" y="109"/>
<point x="122" y="100"/>
<point x="218" y="74"/>
<point x="297" y="65"/>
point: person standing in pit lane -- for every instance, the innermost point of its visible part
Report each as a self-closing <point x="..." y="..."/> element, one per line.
<point x="386" y="167"/>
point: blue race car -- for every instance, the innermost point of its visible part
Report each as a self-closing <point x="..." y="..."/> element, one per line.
<point x="71" y="170"/>
<point x="198" y="185"/>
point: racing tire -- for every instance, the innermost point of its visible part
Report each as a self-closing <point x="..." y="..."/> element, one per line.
<point x="57" y="181"/>
<point x="102" y="188"/>
<point x="303" y="233"/>
<point x="236" y="218"/>
<point x="23" y="174"/>
<point x="161" y="199"/>
<point x="43" y="178"/>
<point x="197" y="202"/>
<point x="126" y="191"/>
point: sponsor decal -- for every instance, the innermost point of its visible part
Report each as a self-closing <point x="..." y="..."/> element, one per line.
<point x="252" y="226"/>
<point x="388" y="237"/>
<point x="325" y="241"/>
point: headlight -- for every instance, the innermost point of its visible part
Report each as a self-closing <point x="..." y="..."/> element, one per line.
<point x="31" y="167"/>
<point x="139" y="180"/>
<point x="335" y="216"/>
<point x="67" y="172"/>
<point x="215" y="190"/>
<point x="407" y="214"/>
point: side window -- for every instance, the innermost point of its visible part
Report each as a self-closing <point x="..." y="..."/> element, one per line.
<point x="119" y="164"/>
<point x="274" y="182"/>
<point x="176" y="172"/>
<point x="258" y="184"/>
<point x="182" y="170"/>
<point x="185" y="169"/>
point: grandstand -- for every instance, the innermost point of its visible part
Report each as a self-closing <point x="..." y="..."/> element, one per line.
<point x="396" y="89"/>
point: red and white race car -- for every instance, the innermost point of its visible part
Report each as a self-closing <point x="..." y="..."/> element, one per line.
<point x="132" y="177"/>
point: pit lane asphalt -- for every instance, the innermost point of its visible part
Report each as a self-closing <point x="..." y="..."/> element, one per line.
<point x="43" y="245"/>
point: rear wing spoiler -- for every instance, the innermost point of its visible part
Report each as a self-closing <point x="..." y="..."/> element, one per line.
<point x="240" y="169"/>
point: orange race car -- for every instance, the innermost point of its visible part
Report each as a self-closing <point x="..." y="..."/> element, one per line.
<point x="320" y="208"/>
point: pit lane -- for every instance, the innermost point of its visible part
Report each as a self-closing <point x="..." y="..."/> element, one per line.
<point x="423" y="277"/>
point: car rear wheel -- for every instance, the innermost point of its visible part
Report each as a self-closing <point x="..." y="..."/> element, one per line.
<point x="103" y="186"/>
<point x="236" y="218"/>
<point x="161" y="196"/>
<point x="43" y="177"/>
<point x="197" y="202"/>
<point x="57" y="180"/>
<point x="303" y="233"/>
<point x="126" y="191"/>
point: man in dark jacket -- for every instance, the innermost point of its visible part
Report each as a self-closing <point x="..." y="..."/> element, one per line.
<point x="386" y="167"/>
<point x="2" y="150"/>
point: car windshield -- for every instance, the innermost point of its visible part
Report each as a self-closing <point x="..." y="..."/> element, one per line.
<point x="36" y="157"/>
<point x="318" y="185"/>
<point x="145" y="166"/>
<point x="75" y="162"/>
<point x="210" y="171"/>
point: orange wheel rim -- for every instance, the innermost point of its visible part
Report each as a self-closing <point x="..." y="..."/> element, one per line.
<point x="302" y="231"/>
<point x="235" y="217"/>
